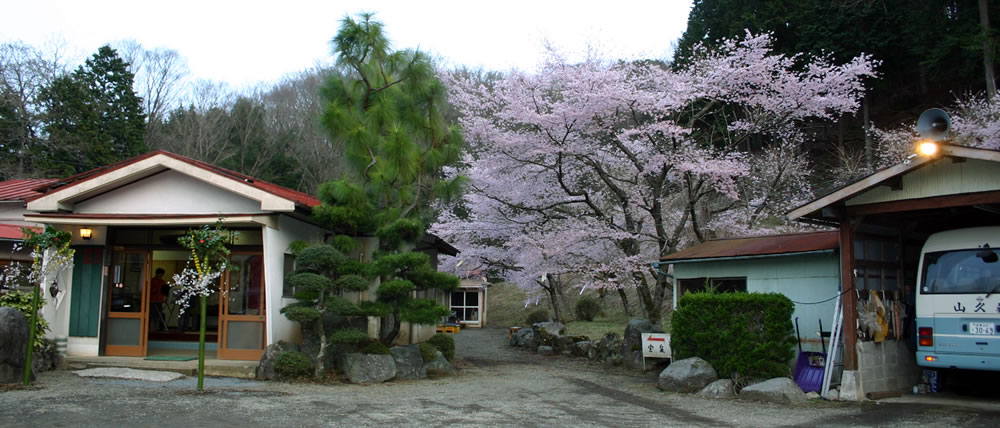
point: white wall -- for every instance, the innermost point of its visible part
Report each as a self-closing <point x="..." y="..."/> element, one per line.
<point x="169" y="192"/>
<point x="276" y="243"/>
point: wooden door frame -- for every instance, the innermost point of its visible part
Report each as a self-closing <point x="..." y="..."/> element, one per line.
<point x="143" y="314"/>
<point x="223" y="352"/>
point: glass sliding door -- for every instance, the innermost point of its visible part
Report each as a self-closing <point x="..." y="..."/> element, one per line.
<point x="128" y="297"/>
<point x="242" y="315"/>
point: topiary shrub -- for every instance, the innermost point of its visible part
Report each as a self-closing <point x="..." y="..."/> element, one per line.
<point x="293" y="364"/>
<point x="587" y="308"/>
<point x="445" y="344"/>
<point x="428" y="352"/>
<point x="350" y="336"/>
<point x="376" y="348"/>
<point x="743" y="335"/>
<point x="537" y="316"/>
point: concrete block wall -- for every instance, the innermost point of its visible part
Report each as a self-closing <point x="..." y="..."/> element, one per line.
<point x="886" y="366"/>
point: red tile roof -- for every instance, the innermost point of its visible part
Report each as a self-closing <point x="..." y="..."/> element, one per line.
<point x="758" y="246"/>
<point x="299" y="198"/>
<point x="22" y="189"/>
<point x="13" y="231"/>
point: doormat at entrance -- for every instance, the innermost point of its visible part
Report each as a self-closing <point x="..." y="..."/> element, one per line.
<point x="170" y="358"/>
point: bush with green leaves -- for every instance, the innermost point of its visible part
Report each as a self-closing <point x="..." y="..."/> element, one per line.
<point x="428" y="352"/>
<point x="376" y="348"/>
<point x="587" y="308"/>
<point x="445" y="344"/>
<point x="743" y="335"/>
<point x="537" y="316"/>
<point x="350" y="336"/>
<point x="21" y="301"/>
<point x="292" y="365"/>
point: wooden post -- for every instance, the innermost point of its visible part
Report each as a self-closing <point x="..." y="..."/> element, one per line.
<point x="850" y="327"/>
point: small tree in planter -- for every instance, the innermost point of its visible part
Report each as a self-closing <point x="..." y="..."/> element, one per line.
<point x="322" y="275"/>
<point x="209" y="259"/>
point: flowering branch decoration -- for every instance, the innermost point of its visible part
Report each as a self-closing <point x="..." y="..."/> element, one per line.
<point x="210" y="259"/>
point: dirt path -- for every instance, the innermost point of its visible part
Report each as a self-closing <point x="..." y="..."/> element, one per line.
<point x="495" y="386"/>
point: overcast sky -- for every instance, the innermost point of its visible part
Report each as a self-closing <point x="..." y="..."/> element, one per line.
<point x="252" y="41"/>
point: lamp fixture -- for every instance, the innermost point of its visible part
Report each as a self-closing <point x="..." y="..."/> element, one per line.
<point x="927" y="148"/>
<point x="86" y="232"/>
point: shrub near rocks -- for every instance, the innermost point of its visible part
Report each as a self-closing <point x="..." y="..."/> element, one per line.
<point x="740" y="334"/>
<point x="445" y="344"/>
<point x="537" y="316"/>
<point x="293" y="364"/>
<point x="587" y="308"/>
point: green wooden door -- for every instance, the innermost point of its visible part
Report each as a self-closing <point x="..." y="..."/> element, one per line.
<point x="85" y="297"/>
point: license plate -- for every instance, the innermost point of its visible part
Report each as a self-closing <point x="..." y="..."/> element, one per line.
<point x="982" y="328"/>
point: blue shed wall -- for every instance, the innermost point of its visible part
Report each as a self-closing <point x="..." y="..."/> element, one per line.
<point x="802" y="278"/>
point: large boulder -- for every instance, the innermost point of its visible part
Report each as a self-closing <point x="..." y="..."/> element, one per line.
<point x="13" y="343"/>
<point x="581" y="348"/>
<point x="722" y="388"/>
<point x="409" y="362"/>
<point x="688" y="375"/>
<point x="554" y="328"/>
<point x="632" y="341"/>
<point x="781" y="390"/>
<point x="265" y="369"/>
<point x="369" y="368"/>
<point x="547" y="333"/>
<point x="546" y="350"/>
<point x="438" y="365"/>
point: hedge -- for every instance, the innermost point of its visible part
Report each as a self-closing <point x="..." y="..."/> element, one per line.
<point x="741" y="334"/>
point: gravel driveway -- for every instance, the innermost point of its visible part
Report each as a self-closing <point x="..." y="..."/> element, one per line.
<point x="495" y="386"/>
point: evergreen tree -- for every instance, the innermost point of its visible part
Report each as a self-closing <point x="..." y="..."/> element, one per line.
<point x="385" y="108"/>
<point x="93" y="117"/>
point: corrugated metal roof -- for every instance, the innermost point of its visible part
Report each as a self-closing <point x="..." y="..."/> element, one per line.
<point x="758" y="246"/>
<point x="22" y="189"/>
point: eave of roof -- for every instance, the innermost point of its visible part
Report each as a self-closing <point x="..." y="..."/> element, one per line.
<point x="795" y="243"/>
<point x="298" y="198"/>
<point x="876" y="179"/>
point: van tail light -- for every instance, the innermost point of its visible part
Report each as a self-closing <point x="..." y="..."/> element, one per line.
<point x="926" y="336"/>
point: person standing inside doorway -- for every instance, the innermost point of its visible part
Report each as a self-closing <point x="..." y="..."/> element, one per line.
<point x="157" y="294"/>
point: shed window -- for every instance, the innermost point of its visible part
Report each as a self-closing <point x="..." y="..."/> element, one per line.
<point x="721" y="285"/>
<point x="465" y="305"/>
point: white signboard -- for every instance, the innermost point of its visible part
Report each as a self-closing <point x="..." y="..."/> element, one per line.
<point x="655" y="345"/>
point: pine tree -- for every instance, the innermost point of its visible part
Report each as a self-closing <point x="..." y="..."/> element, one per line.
<point x="385" y="108"/>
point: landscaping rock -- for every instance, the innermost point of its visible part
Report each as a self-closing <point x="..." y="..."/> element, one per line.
<point x="369" y="368"/>
<point x="581" y="349"/>
<point x="439" y="365"/>
<point x="554" y="328"/>
<point x="633" y="360"/>
<point x="265" y="370"/>
<point x="722" y="388"/>
<point x="409" y="362"/>
<point x="47" y="359"/>
<point x="632" y="341"/>
<point x="687" y="375"/>
<point x="546" y="350"/>
<point x="523" y="338"/>
<point x="781" y="390"/>
<point x="812" y="395"/>
<point x="610" y="344"/>
<point x="13" y="342"/>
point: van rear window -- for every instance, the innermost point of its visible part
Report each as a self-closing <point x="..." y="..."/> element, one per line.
<point x="961" y="272"/>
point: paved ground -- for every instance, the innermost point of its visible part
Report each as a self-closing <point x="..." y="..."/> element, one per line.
<point x="496" y="386"/>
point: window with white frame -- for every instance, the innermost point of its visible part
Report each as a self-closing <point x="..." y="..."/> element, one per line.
<point x="465" y="305"/>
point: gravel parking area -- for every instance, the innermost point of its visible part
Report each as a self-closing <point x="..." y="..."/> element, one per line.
<point x="495" y="386"/>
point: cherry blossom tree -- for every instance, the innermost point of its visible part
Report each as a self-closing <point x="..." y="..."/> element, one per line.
<point x="599" y="168"/>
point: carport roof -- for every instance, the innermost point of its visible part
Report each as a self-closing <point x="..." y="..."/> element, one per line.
<point x="758" y="246"/>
